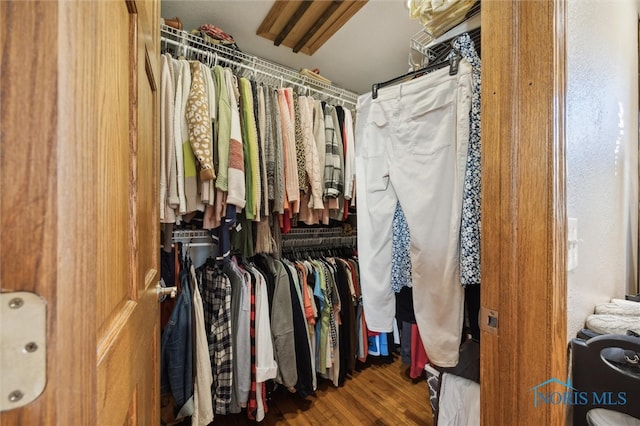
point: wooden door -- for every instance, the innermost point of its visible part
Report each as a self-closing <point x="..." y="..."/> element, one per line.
<point x="78" y="193"/>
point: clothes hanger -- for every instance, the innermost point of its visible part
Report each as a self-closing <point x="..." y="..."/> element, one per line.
<point x="453" y="63"/>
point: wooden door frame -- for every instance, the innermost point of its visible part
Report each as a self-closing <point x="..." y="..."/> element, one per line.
<point x="523" y="208"/>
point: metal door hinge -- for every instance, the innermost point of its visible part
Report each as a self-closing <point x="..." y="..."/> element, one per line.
<point x="489" y="320"/>
<point x="23" y="350"/>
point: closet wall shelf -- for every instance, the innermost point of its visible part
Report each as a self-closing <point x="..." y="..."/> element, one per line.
<point x="185" y="235"/>
<point x="433" y="48"/>
<point x="190" y="45"/>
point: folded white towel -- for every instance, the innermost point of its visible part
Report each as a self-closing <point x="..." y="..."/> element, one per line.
<point x="604" y="417"/>
<point x="613" y="324"/>
<point x="618" y="307"/>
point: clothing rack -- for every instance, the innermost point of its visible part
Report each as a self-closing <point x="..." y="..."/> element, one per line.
<point x="317" y="238"/>
<point x="296" y="238"/>
<point x="193" y="237"/>
<point x="191" y="45"/>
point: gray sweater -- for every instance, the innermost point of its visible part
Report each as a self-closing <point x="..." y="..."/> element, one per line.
<point x="282" y="326"/>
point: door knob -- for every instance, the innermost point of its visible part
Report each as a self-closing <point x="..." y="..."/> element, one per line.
<point x="163" y="292"/>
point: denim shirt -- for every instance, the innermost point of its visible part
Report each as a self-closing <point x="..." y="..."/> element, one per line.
<point x="176" y="352"/>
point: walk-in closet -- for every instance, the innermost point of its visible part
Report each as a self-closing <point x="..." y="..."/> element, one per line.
<point x="358" y="212"/>
<point x="292" y="220"/>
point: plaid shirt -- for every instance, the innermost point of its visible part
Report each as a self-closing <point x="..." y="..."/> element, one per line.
<point x="333" y="178"/>
<point x="217" y="308"/>
<point x="252" y="406"/>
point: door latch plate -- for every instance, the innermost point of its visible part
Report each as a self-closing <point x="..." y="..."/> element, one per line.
<point x="489" y="320"/>
<point x="23" y="354"/>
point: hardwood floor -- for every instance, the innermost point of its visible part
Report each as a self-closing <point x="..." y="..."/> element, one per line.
<point x="380" y="394"/>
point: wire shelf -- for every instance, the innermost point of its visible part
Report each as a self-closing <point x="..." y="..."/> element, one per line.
<point x="180" y="235"/>
<point x="187" y="43"/>
<point x="428" y="45"/>
<point x="317" y="237"/>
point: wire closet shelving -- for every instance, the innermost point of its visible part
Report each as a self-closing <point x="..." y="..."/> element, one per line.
<point x="189" y="45"/>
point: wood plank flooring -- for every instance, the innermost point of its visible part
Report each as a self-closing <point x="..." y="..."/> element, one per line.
<point x="380" y="394"/>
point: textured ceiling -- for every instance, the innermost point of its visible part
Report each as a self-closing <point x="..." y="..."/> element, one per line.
<point x="373" y="46"/>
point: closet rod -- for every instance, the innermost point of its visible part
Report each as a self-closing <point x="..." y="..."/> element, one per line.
<point x="188" y="234"/>
<point x="277" y="72"/>
<point x="313" y="232"/>
<point x="326" y="242"/>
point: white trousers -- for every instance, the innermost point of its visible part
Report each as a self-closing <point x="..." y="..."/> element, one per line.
<point x="411" y="147"/>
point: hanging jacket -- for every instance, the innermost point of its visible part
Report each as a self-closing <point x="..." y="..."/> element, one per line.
<point x="176" y="352"/>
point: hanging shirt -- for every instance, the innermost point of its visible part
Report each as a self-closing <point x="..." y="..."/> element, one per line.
<point x="312" y="160"/>
<point x="217" y="308"/>
<point x="319" y="135"/>
<point x="202" y="398"/>
<point x="333" y="179"/>
<point x="199" y="122"/>
<point x="269" y="141"/>
<point x="262" y="135"/>
<point x="250" y="145"/>
<point x="222" y="129"/>
<point x="278" y="144"/>
<point x="287" y="122"/>
<point x="236" y="182"/>
<point x="470" y="225"/>
<point x="180" y="127"/>
<point x="300" y="156"/>
<point x="168" y="179"/>
<point x="400" y="258"/>
<point x="349" y="156"/>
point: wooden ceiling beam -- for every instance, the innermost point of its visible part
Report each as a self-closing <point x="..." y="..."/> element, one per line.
<point x="292" y="21"/>
<point x="317" y="25"/>
<point x="315" y="21"/>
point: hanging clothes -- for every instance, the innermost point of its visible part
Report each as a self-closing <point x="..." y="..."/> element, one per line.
<point x="176" y="353"/>
<point x="180" y="126"/>
<point x="168" y="166"/>
<point x="287" y="117"/>
<point x="250" y="145"/>
<point x="236" y="182"/>
<point x="400" y="256"/>
<point x="202" y="397"/>
<point x="216" y="291"/>
<point x="198" y="122"/>
<point x="240" y="306"/>
<point x="471" y="212"/>
<point x="388" y="152"/>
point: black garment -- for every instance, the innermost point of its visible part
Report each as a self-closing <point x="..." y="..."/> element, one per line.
<point x="264" y="264"/>
<point x="242" y="241"/>
<point x="340" y="114"/>
<point x="404" y="306"/>
<point x="347" y="328"/>
<point x="304" y="386"/>
<point x="311" y="282"/>
<point x="469" y="362"/>
<point x="168" y="274"/>
<point x="472" y="307"/>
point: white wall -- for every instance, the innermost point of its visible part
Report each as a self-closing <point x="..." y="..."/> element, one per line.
<point x="602" y="151"/>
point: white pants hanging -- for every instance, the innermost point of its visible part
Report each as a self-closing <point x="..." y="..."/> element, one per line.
<point x="411" y="147"/>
